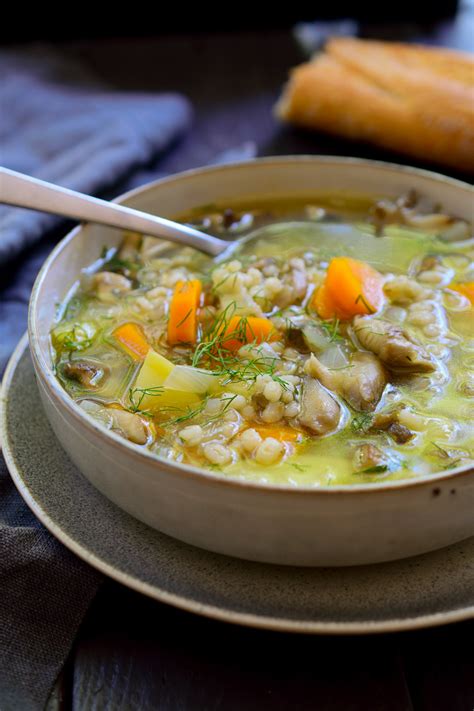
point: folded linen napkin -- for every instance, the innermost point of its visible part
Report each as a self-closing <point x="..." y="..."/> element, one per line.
<point x="58" y="124"/>
<point x="78" y="136"/>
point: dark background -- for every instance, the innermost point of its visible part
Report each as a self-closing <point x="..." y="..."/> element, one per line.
<point x="93" y="20"/>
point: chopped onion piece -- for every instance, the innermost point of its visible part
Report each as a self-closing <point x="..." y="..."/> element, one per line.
<point x="334" y="357"/>
<point x="316" y="338"/>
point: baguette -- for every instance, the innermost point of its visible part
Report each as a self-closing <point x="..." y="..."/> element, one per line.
<point x="412" y="99"/>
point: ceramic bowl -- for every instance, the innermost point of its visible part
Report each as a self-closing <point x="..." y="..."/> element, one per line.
<point x="324" y="526"/>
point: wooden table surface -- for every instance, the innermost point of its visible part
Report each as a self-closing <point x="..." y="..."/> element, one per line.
<point x="134" y="653"/>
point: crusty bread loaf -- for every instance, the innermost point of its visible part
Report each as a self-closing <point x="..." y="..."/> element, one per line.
<point x="412" y="99"/>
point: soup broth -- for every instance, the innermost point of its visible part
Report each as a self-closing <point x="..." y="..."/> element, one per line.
<point x="334" y="348"/>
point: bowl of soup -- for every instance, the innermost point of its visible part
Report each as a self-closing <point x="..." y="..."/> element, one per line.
<point x="306" y="399"/>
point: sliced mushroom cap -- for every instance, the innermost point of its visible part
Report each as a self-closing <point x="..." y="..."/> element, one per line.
<point x="107" y="284"/>
<point x="389" y="422"/>
<point x="319" y="411"/>
<point x="88" y="374"/>
<point x="361" y="383"/>
<point x="392" y="345"/>
<point x="130" y="246"/>
<point x="129" y="424"/>
<point x="368" y="455"/>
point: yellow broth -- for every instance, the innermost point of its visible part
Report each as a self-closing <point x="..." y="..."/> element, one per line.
<point x="431" y="413"/>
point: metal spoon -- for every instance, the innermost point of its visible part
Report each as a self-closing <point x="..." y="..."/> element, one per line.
<point x="24" y="191"/>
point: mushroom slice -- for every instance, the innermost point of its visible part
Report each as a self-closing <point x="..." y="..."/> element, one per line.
<point x="107" y="285"/>
<point x="367" y="456"/>
<point x="319" y="411"/>
<point x="130" y="246"/>
<point x="388" y="422"/>
<point x="361" y="383"/>
<point x="84" y="372"/>
<point x="129" y="424"/>
<point x="392" y="345"/>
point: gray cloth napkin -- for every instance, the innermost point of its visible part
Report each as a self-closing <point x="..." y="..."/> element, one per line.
<point x="55" y="123"/>
<point x="80" y="137"/>
<point x="44" y="593"/>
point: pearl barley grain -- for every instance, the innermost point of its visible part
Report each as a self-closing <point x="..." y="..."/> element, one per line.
<point x="272" y="391"/>
<point x="191" y="435"/>
<point x="269" y="451"/>
<point x="273" y="412"/>
<point x="217" y="453"/>
<point x="250" y="439"/>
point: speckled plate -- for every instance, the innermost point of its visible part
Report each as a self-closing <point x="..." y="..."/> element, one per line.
<point x="432" y="589"/>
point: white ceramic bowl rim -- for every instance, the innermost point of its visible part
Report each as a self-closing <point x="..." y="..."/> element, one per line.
<point x="184" y="469"/>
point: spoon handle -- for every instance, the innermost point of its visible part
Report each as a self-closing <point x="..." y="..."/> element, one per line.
<point x="25" y="191"/>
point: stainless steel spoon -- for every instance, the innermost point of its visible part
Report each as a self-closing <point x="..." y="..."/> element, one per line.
<point x="24" y="191"/>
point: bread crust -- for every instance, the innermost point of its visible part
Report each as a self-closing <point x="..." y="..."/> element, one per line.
<point x="412" y="99"/>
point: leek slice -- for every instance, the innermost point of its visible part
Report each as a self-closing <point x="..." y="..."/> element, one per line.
<point x="191" y="380"/>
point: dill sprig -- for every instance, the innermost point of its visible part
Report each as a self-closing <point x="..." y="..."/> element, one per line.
<point x="136" y="396"/>
<point x="185" y="318"/>
<point x="191" y="414"/>
<point x="115" y="263"/>
<point x="213" y="351"/>
<point x="299" y="467"/>
<point x="362" y="422"/>
<point x="453" y="458"/>
<point x="76" y="339"/>
<point x="364" y="301"/>
<point x="377" y="469"/>
<point x="443" y="452"/>
<point x="331" y="329"/>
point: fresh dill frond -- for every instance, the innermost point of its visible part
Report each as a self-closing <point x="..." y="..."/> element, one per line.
<point x="213" y="353"/>
<point x="364" y="301"/>
<point x="185" y="318"/>
<point x="331" y="329"/>
<point x="137" y="395"/>
<point x="453" y="457"/>
<point x="115" y="264"/>
<point x="299" y="467"/>
<point x="362" y="422"/>
<point x="76" y="339"/>
<point x="444" y="452"/>
<point x="222" y="281"/>
<point x="377" y="469"/>
<point x="188" y="415"/>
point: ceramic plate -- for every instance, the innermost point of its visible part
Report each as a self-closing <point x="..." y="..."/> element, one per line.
<point x="432" y="589"/>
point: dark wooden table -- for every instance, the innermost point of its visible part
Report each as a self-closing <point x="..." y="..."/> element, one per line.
<point x="134" y="653"/>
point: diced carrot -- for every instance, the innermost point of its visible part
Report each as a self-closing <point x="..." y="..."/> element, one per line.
<point x="183" y="321"/>
<point x="324" y="305"/>
<point x="350" y="288"/>
<point x="132" y="338"/>
<point x="280" y="433"/>
<point x="251" y="329"/>
<point x="466" y="289"/>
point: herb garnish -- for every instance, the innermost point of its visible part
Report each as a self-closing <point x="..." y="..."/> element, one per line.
<point x="377" y="469"/>
<point x="213" y="352"/>
<point x="299" y="467"/>
<point x="76" y="339"/>
<point x="331" y="329"/>
<point x="454" y="459"/>
<point x="362" y="422"/>
<point x="136" y="396"/>
<point x="184" y="318"/>
<point x="367" y="306"/>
